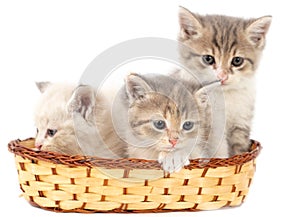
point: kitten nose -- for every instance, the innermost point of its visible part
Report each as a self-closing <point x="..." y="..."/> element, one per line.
<point x="38" y="145"/>
<point x="173" y="142"/>
<point x="223" y="76"/>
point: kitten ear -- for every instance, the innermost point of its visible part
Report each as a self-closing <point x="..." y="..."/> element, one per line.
<point x="258" y="29"/>
<point x="82" y="101"/>
<point x="202" y="97"/>
<point x="43" y="85"/>
<point x="136" y="87"/>
<point x="190" y="28"/>
<point x="202" y="94"/>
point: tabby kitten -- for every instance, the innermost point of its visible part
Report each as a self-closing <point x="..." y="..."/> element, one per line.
<point x="227" y="49"/>
<point x="73" y="120"/>
<point x="160" y="119"/>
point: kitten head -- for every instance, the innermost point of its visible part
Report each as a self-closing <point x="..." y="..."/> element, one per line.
<point x="222" y="47"/>
<point x="53" y="116"/>
<point x="162" y="113"/>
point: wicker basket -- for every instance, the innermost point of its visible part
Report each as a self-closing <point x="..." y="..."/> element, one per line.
<point x="65" y="183"/>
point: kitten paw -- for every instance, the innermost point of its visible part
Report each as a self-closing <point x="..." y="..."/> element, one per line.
<point x="187" y="162"/>
<point x="161" y="157"/>
<point x="173" y="161"/>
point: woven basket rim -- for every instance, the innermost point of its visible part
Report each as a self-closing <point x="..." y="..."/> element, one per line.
<point x="18" y="148"/>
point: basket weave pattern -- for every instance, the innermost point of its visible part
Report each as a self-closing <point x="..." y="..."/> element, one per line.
<point x="84" y="184"/>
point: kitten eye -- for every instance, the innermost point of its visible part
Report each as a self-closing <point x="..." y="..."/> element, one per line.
<point x="159" y="124"/>
<point x="237" y="61"/>
<point x="51" y="132"/>
<point x="188" y="125"/>
<point x="208" y="59"/>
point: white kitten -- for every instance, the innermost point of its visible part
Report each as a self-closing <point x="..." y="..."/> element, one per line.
<point x="74" y="120"/>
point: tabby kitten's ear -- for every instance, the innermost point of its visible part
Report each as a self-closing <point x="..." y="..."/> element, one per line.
<point x="82" y="101"/>
<point x="136" y="87"/>
<point x="43" y="85"/>
<point x="258" y="29"/>
<point x="190" y="28"/>
<point x="202" y="97"/>
<point x="202" y="94"/>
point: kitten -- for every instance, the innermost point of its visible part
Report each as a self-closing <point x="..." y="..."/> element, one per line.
<point x="227" y="49"/>
<point x="160" y="119"/>
<point x="73" y="120"/>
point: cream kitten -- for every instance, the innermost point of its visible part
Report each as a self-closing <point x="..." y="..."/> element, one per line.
<point x="73" y="120"/>
<point x="227" y="49"/>
<point x="160" y="119"/>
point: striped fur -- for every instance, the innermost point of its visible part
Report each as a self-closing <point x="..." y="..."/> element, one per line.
<point x="226" y="39"/>
<point x="148" y="98"/>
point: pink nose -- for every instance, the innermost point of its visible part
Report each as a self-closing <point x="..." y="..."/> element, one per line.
<point x="173" y="142"/>
<point x="222" y="76"/>
<point x="38" y="145"/>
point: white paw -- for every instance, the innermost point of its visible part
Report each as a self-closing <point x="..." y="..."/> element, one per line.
<point x="187" y="162"/>
<point x="161" y="157"/>
<point x="173" y="161"/>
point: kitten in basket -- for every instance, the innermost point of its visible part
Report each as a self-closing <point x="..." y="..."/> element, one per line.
<point x="69" y="120"/>
<point x="227" y="48"/>
<point x="153" y="117"/>
<point x="160" y="118"/>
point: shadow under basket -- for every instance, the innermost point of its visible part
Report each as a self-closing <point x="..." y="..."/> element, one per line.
<point x="84" y="184"/>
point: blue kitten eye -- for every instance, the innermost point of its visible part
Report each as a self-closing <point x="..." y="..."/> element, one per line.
<point x="159" y="124"/>
<point x="237" y="61"/>
<point x="188" y="125"/>
<point x="208" y="59"/>
<point x="51" y="132"/>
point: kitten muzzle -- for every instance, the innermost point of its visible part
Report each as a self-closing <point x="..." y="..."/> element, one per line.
<point x="38" y="146"/>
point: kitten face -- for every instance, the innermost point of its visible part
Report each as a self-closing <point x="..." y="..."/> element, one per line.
<point x="57" y="136"/>
<point x="55" y="127"/>
<point x="166" y="120"/>
<point x="225" y="48"/>
<point x="158" y="118"/>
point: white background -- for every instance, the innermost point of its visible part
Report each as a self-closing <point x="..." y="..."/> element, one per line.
<point x="56" y="40"/>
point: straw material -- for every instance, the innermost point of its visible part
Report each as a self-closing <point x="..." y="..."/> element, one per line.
<point x="83" y="184"/>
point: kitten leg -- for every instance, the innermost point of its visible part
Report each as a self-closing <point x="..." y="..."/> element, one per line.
<point x="173" y="161"/>
<point x="166" y="160"/>
<point x="238" y="140"/>
<point x="161" y="157"/>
